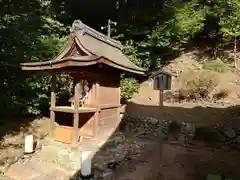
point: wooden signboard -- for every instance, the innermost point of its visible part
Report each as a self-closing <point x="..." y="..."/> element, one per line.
<point x="161" y="82"/>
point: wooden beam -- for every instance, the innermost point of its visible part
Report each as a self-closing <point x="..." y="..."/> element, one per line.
<point x="76" y="115"/>
<point x="53" y="104"/>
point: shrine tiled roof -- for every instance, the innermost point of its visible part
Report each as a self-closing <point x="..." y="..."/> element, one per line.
<point x="88" y="47"/>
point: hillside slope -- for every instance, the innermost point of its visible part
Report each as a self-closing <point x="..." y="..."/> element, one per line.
<point x="145" y="103"/>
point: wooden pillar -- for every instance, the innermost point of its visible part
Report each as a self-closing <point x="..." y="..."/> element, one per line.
<point x="97" y="101"/>
<point x="53" y="104"/>
<point x="93" y="93"/>
<point x="97" y="92"/>
<point x="119" y="108"/>
<point x="161" y="96"/>
<point x="76" y="114"/>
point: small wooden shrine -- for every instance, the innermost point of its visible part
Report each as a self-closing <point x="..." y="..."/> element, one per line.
<point x="95" y="62"/>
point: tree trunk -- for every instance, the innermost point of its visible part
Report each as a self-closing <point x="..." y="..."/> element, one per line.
<point x="235" y="53"/>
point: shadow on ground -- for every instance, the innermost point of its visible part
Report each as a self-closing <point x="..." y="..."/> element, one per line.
<point x="180" y="161"/>
<point x="200" y="115"/>
<point x="12" y="126"/>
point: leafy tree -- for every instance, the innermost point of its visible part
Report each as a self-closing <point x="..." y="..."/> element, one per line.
<point x="27" y="32"/>
<point x="229" y="12"/>
<point x="153" y="31"/>
<point x="171" y="36"/>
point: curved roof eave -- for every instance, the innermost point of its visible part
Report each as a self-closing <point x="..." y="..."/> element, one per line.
<point x="74" y="61"/>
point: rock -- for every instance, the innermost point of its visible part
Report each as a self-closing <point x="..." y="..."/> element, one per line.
<point x="230" y="133"/>
<point x="221" y="138"/>
<point x="238" y="132"/>
<point x="238" y="140"/>
<point x="128" y="158"/>
<point x="113" y="165"/>
<point x="106" y="174"/>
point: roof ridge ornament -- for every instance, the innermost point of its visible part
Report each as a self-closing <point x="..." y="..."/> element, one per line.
<point x="79" y="25"/>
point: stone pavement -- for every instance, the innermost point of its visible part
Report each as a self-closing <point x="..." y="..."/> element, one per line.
<point x="33" y="169"/>
<point x="56" y="161"/>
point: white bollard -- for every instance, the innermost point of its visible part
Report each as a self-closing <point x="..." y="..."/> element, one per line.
<point x="86" y="164"/>
<point x="28" y="147"/>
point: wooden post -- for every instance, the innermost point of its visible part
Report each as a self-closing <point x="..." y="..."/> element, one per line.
<point x="76" y="114"/>
<point x="119" y="109"/>
<point x="161" y="92"/>
<point x="97" y="95"/>
<point x="119" y="103"/>
<point x="93" y="93"/>
<point x="97" y="101"/>
<point x="161" y="96"/>
<point x="53" y="104"/>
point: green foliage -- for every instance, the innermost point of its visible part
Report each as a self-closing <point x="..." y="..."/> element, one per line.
<point x="130" y="49"/>
<point x="27" y="34"/>
<point x="129" y="86"/>
<point x="50" y="46"/>
<point x="169" y="37"/>
<point x="37" y="85"/>
<point x="36" y="94"/>
<point x="154" y="31"/>
<point x="229" y="17"/>
<point x="187" y="21"/>
<point x="216" y="65"/>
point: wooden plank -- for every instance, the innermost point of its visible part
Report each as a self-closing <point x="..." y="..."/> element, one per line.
<point x="69" y="109"/>
<point x="53" y="104"/>
<point x="103" y="106"/>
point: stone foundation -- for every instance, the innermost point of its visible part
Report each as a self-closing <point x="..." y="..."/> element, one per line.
<point x="62" y="154"/>
<point x="69" y="157"/>
<point x="65" y="155"/>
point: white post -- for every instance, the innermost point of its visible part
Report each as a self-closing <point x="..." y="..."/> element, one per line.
<point x="28" y="148"/>
<point x="86" y="164"/>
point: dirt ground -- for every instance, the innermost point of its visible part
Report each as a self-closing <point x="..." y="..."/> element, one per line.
<point x="194" y="162"/>
<point x="181" y="163"/>
<point x="12" y="135"/>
